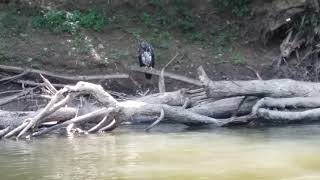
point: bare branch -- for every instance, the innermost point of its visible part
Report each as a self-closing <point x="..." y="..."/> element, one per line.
<point x="161" y="117"/>
<point x="63" y="77"/>
<point x="49" y="86"/>
<point x="79" y="119"/>
<point x="166" y="74"/>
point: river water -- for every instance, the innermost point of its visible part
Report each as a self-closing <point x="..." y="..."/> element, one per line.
<point x="285" y="153"/>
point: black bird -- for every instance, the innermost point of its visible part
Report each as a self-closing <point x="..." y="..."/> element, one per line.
<point x="146" y="56"/>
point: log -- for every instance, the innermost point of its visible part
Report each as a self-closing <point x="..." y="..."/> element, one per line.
<point x="171" y="106"/>
<point x="133" y="110"/>
<point x="295" y="102"/>
<point x="259" y="88"/>
<point x="224" y="108"/>
<point x="287" y="117"/>
<point x="96" y="90"/>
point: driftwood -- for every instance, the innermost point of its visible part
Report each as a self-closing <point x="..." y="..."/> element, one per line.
<point x="268" y="88"/>
<point x="11" y="98"/>
<point x="263" y="109"/>
<point x="217" y="104"/>
<point x="125" y="111"/>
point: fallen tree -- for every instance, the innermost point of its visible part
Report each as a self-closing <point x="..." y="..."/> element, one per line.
<point x="217" y="103"/>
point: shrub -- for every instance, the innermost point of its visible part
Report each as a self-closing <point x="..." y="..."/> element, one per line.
<point x="92" y="20"/>
<point x="62" y="21"/>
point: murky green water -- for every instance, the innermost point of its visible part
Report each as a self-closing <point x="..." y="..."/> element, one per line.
<point x="288" y="153"/>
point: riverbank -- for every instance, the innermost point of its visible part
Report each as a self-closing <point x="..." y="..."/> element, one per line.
<point x="218" y="41"/>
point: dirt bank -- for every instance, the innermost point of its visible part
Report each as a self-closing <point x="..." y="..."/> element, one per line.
<point x="221" y="43"/>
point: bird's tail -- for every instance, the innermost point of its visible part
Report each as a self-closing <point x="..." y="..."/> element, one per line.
<point x="148" y="76"/>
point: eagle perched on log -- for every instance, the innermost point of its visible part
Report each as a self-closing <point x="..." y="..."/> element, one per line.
<point x="146" y="56"/>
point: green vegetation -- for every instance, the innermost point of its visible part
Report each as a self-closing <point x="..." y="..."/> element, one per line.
<point x="71" y="22"/>
<point x="238" y="7"/>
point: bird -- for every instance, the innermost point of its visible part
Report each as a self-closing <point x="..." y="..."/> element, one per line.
<point x="146" y="56"/>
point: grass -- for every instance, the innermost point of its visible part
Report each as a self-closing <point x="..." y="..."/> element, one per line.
<point x="71" y="22"/>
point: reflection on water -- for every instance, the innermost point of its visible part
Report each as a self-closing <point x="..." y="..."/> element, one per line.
<point x="288" y="153"/>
